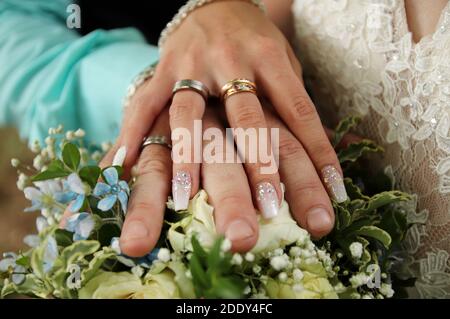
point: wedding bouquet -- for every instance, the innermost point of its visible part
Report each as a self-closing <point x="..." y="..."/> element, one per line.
<point x="83" y="258"/>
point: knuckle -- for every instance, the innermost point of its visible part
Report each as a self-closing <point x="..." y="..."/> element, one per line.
<point x="180" y="111"/>
<point x="325" y="152"/>
<point x="248" y="117"/>
<point x="153" y="164"/>
<point x="227" y="54"/>
<point x="306" y="189"/>
<point x="303" y="108"/>
<point x="141" y="205"/>
<point x="231" y="198"/>
<point x="289" y="148"/>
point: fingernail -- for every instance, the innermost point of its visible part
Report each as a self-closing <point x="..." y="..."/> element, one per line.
<point x="334" y="183"/>
<point x="181" y="190"/>
<point x="267" y="199"/>
<point x="239" y="230"/>
<point x="119" y="157"/>
<point x="135" y="230"/>
<point x="318" y="219"/>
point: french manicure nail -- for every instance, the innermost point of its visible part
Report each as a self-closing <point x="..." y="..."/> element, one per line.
<point x="119" y="157"/>
<point x="334" y="183"/>
<point x="318" y="219"/>
<point x="181" y="190"/>
<point x="135" y="230"/>
<point x="267" y="199"/>
<point x="238" y="230"/>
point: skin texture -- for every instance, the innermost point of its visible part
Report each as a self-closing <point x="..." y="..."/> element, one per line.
<point x="423" y="16"/>
<point x="234" y="45"/>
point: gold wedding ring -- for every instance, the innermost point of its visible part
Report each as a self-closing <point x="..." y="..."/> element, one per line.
<point x="237" y="86"/>
<point x="192" y="85"/>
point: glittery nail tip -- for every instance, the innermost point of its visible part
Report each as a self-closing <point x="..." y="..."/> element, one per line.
<point x="267" y="200"/>
<point x="181" y="190"/>
<point x="334" y="183"/>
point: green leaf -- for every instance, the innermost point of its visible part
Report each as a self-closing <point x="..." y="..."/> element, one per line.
<point x="23" y="261"/>
<point x="353" y="191"/>
<point x="344" y="127"/>
<point x="198" y="249"/>
<point x="228" y="288"/>
<point x="376" y="233"/>
<point x="382" y="199"/>
<point x="198" y="276"/>
<point x="90" y="175"/>
<point x="396" y="224"/>
<point x="71" y="156"/>
<point x="55" y="169"/>
<point x="94" y="265"/>
<point x="63" y="237"/>
<point x="355" y="150"/>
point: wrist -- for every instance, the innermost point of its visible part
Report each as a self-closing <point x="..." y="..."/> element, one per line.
<point x="190" y="7"/>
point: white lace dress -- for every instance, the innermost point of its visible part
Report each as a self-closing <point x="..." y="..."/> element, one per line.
<point x="359" y="58"/>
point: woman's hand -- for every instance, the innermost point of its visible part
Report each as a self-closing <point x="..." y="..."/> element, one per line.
<point x="219" y="42"/>
<point x="227" y="187"/>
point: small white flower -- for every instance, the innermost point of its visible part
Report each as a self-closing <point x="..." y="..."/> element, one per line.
<point x="70" y="135"/>
<point x="356" y="249"/>
<point x="138" y="271"/>
<point x="358" y="280"/>
<point x="295" y="251"/>
<point x="297" y="274"/>
<point x="35" y="147"/>
<point x="339" y="255"/>
<point x="247" y="290"/>
<point x="38" y="162"/>
<point x="96" y="156"/>
<point x="237" y="259"/>
<point x="297" y="261"/>
<point x="22" y="181"/>
<point x="15" y="162"/>
<point x="80" y="133"/>
<point x="51" y="131"/>
<point x="119" y="158"/>
<point x="106" y="146"/>
<point x="250" y="257"/>
<point x="368" y="296"/>
<point x="386" y="290"/>
<point x="282" y="276"/>
<point x="164" y="255"/>
<point x="115" y="245"/>
<point x="306" y="253"/>
<point x="49" y="140"/>
<point x="226" y="245"/>
<point x="339" y="288"/>
<point x="189" y="274"/>
<point x="279" y="262"/>
<point x="278" y="252"/>
<point x="256" y="269"/>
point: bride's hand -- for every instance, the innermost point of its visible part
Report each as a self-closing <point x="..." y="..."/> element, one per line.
<point x="235" y="216"/>
<point x="228" y="190"/>
<point x="217" y="43"/>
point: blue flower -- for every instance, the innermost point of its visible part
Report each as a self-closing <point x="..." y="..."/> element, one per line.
<point x="144" y="261"/>
<point x="50" y="254"/>
<point x="34" y="240"/>
<point x="76" y="193"/>
<point x="81" y="225"/>
<point x="112" y="191"/>
<point x="9" y="263"/>
<point x="44" y="196"/>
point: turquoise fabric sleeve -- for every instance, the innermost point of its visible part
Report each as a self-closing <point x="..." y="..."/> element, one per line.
<point x="51" y="75"/>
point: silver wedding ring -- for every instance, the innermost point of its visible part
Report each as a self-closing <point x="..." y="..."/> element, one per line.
<point x="192" y="85"/>
<point x="156" y="139"/>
